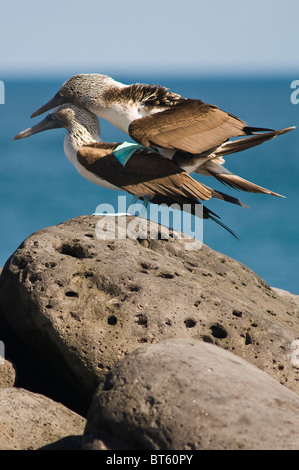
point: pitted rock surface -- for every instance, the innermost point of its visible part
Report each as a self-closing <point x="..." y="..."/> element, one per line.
<point x="83" y="303"/>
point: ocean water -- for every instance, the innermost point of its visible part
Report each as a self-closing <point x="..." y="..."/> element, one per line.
<point x="39" y="187"/>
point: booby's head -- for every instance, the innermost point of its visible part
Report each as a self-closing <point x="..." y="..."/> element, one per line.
<point x="82" y="89"/>
<point x="73" y="118"/>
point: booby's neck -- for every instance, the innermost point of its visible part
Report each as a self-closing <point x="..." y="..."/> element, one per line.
<point x="77" y="136"/>
<point x="116" y="104"/>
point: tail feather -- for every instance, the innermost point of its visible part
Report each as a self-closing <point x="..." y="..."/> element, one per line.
<point x="191" y="191"/>
<point x="243" y="144"/>
<point x="223" y="226"/>
<point x="251" y="130"/>
<point x="227" y="197"/>
<point x="208" y="214"/>
<point x="189" y="205"/>
<point x="237" y="182"/>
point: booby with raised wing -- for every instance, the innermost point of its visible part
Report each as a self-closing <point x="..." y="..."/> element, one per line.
<point x="146" y="175"/>
<point x="192" y="133"/>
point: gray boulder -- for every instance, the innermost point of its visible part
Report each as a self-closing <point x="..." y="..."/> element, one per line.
<point x="7" y="370"/>
<point x="7" y="373"/>
<point x="30" y="421"/>
<point x="189" y="395"/>
<point x="82" y="303"/>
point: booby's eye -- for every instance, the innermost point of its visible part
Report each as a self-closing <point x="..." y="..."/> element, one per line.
<point x="61" y="94"/>
<point x="54" y="117"/>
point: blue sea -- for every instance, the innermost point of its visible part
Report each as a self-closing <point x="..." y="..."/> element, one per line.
<point x="39" y="187"/>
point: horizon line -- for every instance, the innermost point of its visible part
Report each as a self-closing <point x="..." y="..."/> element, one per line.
<point x="169" y="72"/>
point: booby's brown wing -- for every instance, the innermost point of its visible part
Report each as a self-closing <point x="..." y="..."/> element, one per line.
<point x="192" y="126"/>
<point x="145" y="174"/>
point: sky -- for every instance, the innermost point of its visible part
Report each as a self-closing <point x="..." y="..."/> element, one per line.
<point x="146" y="41"/>
<point x="156" y="36"/>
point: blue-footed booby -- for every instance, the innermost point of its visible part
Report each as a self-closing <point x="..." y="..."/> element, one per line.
<point x="194" y="134"/>
<point x="145" y="175"/>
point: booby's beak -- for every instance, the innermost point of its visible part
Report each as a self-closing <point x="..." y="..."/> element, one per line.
<point x="48" y="123"/>
<point x="57" y="100"/>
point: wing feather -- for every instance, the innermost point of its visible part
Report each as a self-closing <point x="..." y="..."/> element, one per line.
<point x="145" y="174"/>
<point x="191" y="126"/>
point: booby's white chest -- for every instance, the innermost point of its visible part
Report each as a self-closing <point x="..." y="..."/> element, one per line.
<point x="71" y="152"/>
<point x="122" y="114"/>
